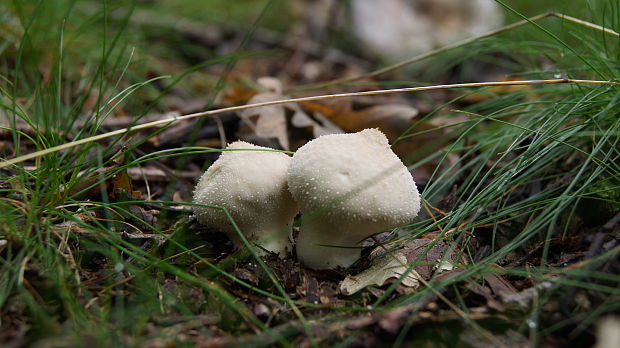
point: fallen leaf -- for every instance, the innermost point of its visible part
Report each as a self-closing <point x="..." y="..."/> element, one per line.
<point x="444" y="266"/>
<point x="499" y="284"/>
<point x="239" y="95"/>
<point x="486" y="293"/>
<point x="320" y="126"/>
<point x="121" y="182"/>
<point x="271" y="122"/>
<point x="392" y="119"/>
<point x="524" y="298"/>
<point x="427" y="259"/>
<point x="384" y="267"/>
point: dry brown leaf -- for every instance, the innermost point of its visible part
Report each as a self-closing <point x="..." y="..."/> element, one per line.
<point x="499" y="285"/>
<point x="121" y="182"/>
<point x="239" y="95"/>
<point x="524" y="298"/>
<point x="392" y="119"/>
<point x="428" y="259"/>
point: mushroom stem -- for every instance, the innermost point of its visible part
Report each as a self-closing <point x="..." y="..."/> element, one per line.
<point x="324" y="245"/>
<point x="273" y="238"/>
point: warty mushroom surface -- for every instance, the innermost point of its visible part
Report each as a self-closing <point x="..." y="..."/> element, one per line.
<point x="348" y="187"/>
<point x="250" y="182"/>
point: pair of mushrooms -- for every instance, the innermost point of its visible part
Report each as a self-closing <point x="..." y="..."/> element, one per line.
<point x="347" y="186"/>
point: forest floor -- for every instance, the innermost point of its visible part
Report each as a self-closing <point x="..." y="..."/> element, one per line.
<point x="516" y="244"/>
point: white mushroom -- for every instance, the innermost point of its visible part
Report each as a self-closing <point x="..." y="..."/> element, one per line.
<point x="251" y="184"/>
<point x="349" y="187"/>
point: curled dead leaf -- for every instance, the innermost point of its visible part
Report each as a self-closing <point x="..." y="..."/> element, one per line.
<point x="271" y="122"/>
<point x="320" y="124"/>
<point x="392" y="119"/>
<point x="383" y="268"/>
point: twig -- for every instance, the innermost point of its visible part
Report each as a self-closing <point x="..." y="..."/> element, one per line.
<point x="173" y="119"/>
<point x="428" y="210"/>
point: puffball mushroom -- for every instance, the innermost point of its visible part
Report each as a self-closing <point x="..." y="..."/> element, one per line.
<point x="348" y="187"/>
<point x="252" y="186"/>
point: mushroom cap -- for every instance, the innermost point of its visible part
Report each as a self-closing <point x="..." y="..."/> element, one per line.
<point x="354" y="186"/>
<point x="252" y="186"/>
<point x="359" y="174"/>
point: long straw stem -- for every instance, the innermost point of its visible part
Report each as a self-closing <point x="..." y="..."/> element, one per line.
<point x="171" y="120"/>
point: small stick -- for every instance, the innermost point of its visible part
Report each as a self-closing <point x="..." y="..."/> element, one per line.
<point x="430" y="213"/>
